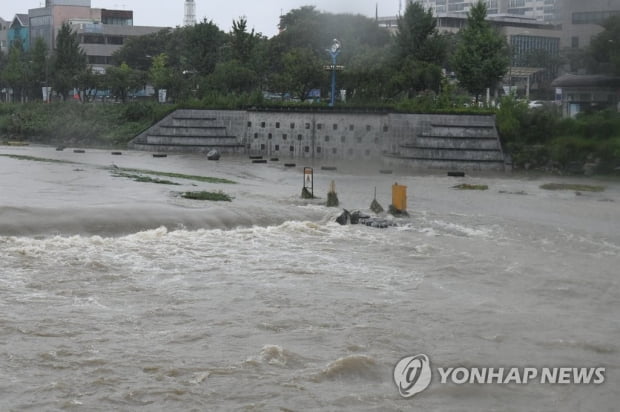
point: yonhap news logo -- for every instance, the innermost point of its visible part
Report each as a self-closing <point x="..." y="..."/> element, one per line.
<point x="413" y="374"/>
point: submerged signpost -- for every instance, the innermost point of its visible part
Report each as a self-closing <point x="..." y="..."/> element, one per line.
<point x="308" y="190"/>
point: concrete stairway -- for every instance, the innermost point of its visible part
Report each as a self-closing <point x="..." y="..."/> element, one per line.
<point x="445" y="145"/>
<point x="187" y="131"/>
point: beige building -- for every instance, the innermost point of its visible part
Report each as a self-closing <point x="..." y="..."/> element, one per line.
<point x="101" y="32"/>
<point x="100" y="41"/>
<point x="46" y="21"/>
<point x="581" y="20"/>
<point x="4" y="35"/>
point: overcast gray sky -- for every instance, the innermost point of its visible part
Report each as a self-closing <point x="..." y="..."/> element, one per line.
<point x="262" y="15"/>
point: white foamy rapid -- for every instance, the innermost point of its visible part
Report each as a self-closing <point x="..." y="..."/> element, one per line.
<point x="116" y="295"/>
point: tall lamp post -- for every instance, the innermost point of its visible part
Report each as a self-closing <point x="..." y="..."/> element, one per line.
<point x="334" y="51"/>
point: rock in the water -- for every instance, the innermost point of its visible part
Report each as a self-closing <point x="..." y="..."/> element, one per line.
<point x="214" y="155"/>
<point x="357" y="217"/>
<point x="376" y="207"/>
<point x="344" y="218"/>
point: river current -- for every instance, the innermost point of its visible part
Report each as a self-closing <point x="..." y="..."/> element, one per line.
<point x="119" y="295"/>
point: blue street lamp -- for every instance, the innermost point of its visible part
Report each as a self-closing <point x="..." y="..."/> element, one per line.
<point x="334" y="51"/>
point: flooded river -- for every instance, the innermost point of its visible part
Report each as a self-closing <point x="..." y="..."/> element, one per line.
<point x="120" y="295"/>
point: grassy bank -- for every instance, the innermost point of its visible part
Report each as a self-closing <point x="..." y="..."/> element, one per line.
<point x="541" y="139"/>
<point x="71" y="123"/>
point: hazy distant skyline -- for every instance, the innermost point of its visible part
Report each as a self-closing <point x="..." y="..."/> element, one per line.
<point x="263" y="16"/>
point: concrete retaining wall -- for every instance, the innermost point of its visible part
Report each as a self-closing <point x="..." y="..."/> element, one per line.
<point x="418" y="140"/>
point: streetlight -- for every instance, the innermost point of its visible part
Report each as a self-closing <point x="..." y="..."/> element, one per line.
<point x="334" y="51"/>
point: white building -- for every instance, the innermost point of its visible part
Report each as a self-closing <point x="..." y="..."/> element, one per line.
<point x="541" y="10"/>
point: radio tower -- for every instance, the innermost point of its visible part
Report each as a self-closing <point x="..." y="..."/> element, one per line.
<point x="190" y="13"/>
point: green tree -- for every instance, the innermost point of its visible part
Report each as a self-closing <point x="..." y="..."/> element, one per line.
<point x="303" y="71"/>
<point x="123" y="80"/>
<point x="242" y="42"/>
<point x="160" y="75"/>
<point x="40" y="67"/>
<point x="16" y="72"/>
<point x="138" y="51"/>
<point x="605" y="48"/>
<point x="232" y="77"/>
<point x="306" y="29"/>
<point x="89" y="82"/>
<point x="369" y="75"/>
<point x="420" y="51"/>
<point x="69" y="61"/>
<point x="196" y="48"/>
<point x="481" y="58"/>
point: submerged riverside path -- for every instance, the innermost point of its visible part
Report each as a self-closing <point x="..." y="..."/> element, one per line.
<point x="120" y="294"/>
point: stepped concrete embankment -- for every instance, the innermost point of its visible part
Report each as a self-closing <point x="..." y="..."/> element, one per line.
<point x="469" y="142"/>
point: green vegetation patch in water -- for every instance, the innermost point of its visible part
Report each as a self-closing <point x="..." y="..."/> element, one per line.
<point x="466" y="186"/>
<point x="573" y="187"/>
<point x="205" y="179"/>
<point x="145" y="179"/>
<point x="36" y="159"/>
<point x="210" y="196"/>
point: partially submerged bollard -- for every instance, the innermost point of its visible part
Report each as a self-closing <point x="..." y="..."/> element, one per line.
<point x="399" y="200"/>
<point x="308" y="190"/>
<point x="375" y="206"/>
<point x="332" y="197"/>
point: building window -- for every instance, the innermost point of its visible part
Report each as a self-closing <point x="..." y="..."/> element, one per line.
<point x="262" y="124"/>
<point x="98" y="59"/>
<point x="343" y="139"/>
<point x="307" y="126"/>
<point x="385" y="129"/>
<point x="277" y="125"/>
<point x="284" y="136"/>
<point x="335" y="126"/>
<point x="262" y="147"/>
<point x="335" y="151"/>
<point x="318" y="149"/>
<point x="326" y="139"/>
<point x="359" y="139"/>
<point x="256" y="135"/>
<point x="277" y="148"/>
<point x="270" y="136"/>
<point x="319" y="126"/>
<point x="368" y="127"/>
<point x="249" y="124"/>
<point x="307" y="149"/>
<point x="93" y="39"/>
<point x="117" y="40"/>
<point x="292" y="148"/>
<point x="292" y="125"/>
<point x="377" y="140"/>
<point x="299" y="137"/>
<point x="351" y="127"/>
